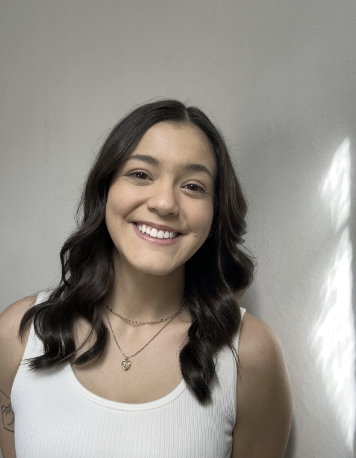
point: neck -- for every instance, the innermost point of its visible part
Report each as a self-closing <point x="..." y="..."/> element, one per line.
<point x="145" y="297"/>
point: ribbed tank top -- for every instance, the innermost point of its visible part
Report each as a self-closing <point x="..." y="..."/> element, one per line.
<point x="57" y="417"/>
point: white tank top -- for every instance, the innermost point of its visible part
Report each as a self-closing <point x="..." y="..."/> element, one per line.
<point x="56" y="417"/>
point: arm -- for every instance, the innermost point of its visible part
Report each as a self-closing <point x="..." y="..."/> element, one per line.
<point x="264" y="403"/>
<point x="11" y="351"/>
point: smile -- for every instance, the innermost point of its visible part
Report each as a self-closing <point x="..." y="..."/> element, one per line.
<point x="153" y="232"/>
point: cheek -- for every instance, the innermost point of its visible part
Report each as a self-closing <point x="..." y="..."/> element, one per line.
<point x="112" y="208"/>
<point x="202" y="221"/>
<point x="119" y="202"/>
<point x="115" y="211"/>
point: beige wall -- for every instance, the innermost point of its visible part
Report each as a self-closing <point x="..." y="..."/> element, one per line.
<point x="279" y="78"/>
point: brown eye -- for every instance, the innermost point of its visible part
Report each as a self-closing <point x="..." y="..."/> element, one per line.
<point x="139" y="175"/>
<point x="195" y="188"/>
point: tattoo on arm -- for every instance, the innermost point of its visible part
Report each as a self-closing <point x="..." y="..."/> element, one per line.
<point x="6" y="412"/>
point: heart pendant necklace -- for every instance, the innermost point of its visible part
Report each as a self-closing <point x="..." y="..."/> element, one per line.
<point x="126" y="363"/>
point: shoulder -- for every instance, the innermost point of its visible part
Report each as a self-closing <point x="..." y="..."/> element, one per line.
<point x="259" y="346"/>
<point x="11" y="317"/>
<point x="11" y="346"/>
<point x="263" y="393"/>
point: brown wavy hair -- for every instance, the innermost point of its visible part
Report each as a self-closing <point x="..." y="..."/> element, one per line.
<point x="212" y="275"/>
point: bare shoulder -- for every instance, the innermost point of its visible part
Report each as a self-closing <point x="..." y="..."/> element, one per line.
<point x="11" y="347"/>
<point x="259" y="346"/>
<point x="11" y="317"/>
<point x="263" y="393"/>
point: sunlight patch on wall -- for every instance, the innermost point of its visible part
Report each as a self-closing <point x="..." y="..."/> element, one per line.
<point x="333" y="336"/>
<point x="337" y="186"/>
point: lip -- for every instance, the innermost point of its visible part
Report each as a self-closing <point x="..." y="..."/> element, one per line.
<point x="159" y="227"/>
<point x="155" y="241"/>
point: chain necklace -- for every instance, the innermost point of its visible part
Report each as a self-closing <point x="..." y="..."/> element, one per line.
<point x="126" y="363"/>
<point x="162" y="320"/>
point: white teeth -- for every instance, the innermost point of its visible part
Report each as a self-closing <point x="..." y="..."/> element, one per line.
<point x="154" y="233"/>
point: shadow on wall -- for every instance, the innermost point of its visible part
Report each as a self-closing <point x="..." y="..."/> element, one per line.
<point x="290" y="452"/>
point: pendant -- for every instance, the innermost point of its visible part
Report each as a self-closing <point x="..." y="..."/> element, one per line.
<point x="126" y="364"/>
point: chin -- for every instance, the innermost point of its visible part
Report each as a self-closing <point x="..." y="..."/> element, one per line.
<point x="159" y="269"/>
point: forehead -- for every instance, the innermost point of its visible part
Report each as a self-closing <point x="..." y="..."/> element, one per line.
<point x="177" y="143"/>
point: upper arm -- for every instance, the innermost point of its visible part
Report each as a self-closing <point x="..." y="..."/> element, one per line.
<point x="264" y="402"/>
<point x="11" y="352"/>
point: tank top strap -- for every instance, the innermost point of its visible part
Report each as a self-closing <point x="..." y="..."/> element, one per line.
<point x="237" y="336"/>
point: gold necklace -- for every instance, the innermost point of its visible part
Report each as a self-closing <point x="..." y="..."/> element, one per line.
<point x="135" y="322"/>
<point x="126" y="363"/>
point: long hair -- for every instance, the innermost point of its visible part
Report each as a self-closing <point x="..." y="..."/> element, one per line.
<point x="218" y="269"/>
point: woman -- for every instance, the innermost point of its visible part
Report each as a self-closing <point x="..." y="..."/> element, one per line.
<point x="134" y="354"/>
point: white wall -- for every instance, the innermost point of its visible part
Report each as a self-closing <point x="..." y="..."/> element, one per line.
<point x="279" y="78"/>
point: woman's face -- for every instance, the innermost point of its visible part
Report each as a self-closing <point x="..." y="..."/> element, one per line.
<point x="160" y="203"/>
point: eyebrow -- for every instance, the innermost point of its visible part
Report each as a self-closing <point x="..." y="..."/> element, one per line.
<point x="191" y="167"/>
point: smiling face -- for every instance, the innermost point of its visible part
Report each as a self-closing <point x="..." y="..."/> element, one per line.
<point x="160" y="203"/>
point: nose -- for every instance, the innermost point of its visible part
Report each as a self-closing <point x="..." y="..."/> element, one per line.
<point x="163" y="199"/>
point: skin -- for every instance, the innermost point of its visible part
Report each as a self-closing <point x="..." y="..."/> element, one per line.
<point x="167" y="181"/>
<point x="11" y="351"/>
<point x="264" y="400"/>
